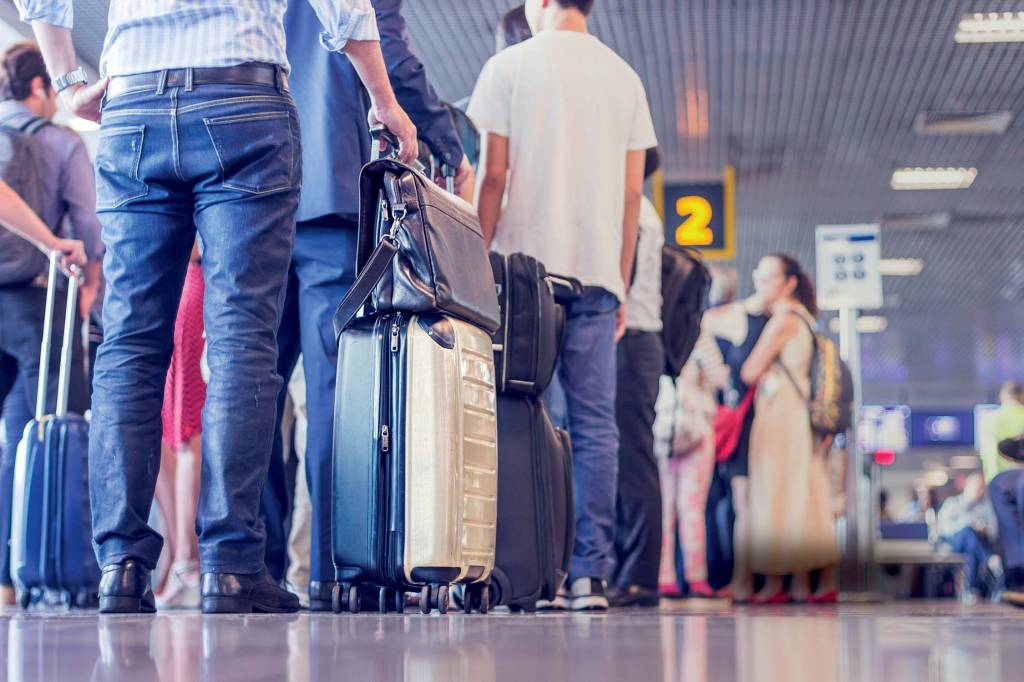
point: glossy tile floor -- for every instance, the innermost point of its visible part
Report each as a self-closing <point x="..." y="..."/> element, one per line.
<point x="693" y="641"/>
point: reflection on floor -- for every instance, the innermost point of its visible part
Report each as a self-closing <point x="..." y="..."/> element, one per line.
<point x="692" y="641"/>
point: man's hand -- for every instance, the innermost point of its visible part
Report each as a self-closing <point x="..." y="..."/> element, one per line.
<point x="620" y="323"/>
<point x="84" y="100"/>
<point x="72" y="252"/>
<point x="394" y="118"/>
<point x="465" y="179"/>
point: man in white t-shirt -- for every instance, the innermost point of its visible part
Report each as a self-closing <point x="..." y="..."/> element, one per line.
<point x="567" y="127"/>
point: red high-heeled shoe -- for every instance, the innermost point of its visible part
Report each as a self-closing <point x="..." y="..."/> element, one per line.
<point x="780" y="597"/>
<point x="830" y="597"/>
<point x="701" y="590"/>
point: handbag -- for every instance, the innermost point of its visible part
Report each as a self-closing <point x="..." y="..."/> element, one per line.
<point x="420" y="249"/>
<point x="729" y="423"/>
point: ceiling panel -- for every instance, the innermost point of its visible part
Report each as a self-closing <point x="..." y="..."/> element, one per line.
<point x="814" y="103"/>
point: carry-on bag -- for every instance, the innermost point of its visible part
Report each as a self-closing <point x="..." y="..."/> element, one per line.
<point x="527" y="345"/>
<point x="415" y="461"/>
<point x="51" y="528"/>
<point x="420" y="248"/>
<point x="536" y="516"/>
<point x="685" y="283"/>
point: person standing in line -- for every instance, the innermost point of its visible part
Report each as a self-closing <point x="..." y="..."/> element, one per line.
<point x="568" y="126"/>
<point x="736" y="328"/>
<point x="332" y="107"/>
<point x="201" y="139"/>
<point x="177" y="486"/>
<point x="640" y="363"/>
<point x="792" y="528"/>
<point x="59" y="179"/>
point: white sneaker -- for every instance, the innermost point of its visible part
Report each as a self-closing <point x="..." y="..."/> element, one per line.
<point x="588" y="594"/>
<point x="561" y="602"/>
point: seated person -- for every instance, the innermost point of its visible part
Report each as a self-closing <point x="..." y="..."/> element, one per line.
<point x="1007" y="493"/>
<point x="968" y="523"/>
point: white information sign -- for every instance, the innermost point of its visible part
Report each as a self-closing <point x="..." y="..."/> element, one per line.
<point x="848" y="259"/>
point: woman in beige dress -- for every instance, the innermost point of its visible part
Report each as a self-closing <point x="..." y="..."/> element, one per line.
<point x="792" y="527"/>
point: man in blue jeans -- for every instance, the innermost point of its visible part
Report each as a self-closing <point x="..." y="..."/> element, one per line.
<point x="568" y="127"/>
<point x="333" y="106"/>
<point x="1007" y="493"/>
<point x="199" y="133"/>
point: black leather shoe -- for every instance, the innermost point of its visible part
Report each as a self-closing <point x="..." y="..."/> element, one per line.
<point x="320" y="594"/>
<point x="238" y="593"/>
<point x="125" y="588"/>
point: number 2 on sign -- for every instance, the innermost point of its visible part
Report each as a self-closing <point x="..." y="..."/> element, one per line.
<point x="695" y="230"/>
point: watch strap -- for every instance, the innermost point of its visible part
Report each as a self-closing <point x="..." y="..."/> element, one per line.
<point x="71" y="78"/>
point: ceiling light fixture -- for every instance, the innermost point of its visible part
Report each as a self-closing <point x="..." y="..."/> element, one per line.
<point x="991" y="27"/>
<point x="933" y="178"/>
<point x="901" y="267"/>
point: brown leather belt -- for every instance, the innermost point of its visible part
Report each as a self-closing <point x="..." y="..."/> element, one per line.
<point x="243" y="74"/>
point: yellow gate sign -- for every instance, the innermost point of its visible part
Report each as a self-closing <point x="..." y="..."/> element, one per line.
<point x="701" y="216"/>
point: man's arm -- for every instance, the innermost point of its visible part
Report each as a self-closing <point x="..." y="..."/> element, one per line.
<point x="492" y="187"/>
<point x="17" y="217"/>
<point x="417" y="96"/>
<point x="631" y="214"/>
<point x="59" y="53"/>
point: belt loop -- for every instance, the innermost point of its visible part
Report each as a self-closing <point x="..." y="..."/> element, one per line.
<point x="161" y="82"/>
<point x="280" y="80"/>
<point x="189" y="79"/>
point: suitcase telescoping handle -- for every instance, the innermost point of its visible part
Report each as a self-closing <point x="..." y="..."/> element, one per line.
<point x="565" y="289"/>
<point x="64" y="379"/>
<point x="384" y="145"/>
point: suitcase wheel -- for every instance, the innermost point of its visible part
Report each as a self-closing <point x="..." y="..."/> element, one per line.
<point x="345" y="597"/>
<point x="24" y="599"/>
<point x="390" y="600"/>
<point x="439" y="598"/>
<point x="476" y="597"/>
<point x="425" y="605"/>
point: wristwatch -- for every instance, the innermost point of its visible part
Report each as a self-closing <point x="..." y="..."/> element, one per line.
<point x="71" y="78"/>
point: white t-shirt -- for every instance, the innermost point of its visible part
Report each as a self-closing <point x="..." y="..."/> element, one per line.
<point x="643" y="305"/>
<point x="571" y="109"/>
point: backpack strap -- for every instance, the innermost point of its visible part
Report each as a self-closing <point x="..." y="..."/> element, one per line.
<point x="34" y="125"/>
<point x="785" y="370"/>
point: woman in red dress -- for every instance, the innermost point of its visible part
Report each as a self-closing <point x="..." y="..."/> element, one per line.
<point x="178" y="483"/>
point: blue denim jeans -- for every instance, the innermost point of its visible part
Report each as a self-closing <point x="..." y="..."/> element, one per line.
<point x="223" y="160"/>
<point x="976" y="548"/>
<point x="582" y="400"/>
<point x="1007" y="494"/>
<point x="323" y="268"/>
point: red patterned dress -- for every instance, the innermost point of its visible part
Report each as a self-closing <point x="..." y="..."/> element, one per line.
<point x="185" y="390"/>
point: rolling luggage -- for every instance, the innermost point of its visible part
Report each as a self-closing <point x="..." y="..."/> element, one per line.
<point x="415" y="461"/>
<point x="51" y="528"/>
<point x="536" y="516"/>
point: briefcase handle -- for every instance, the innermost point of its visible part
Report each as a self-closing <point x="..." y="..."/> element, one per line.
<point x="70" y="316"/>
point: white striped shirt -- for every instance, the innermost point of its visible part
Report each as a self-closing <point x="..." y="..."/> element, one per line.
<point x="151" y="35"/>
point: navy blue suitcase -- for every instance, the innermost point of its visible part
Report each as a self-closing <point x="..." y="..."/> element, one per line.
<point x="51" y="529"/>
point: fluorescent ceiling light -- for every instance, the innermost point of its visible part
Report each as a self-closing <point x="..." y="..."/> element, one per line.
<point x="866" y="324"/>
<point x="933" y="178"/>
<point x="963" y="123"/>
<point x="991" y="27"/>
<point x="901" y="267"/>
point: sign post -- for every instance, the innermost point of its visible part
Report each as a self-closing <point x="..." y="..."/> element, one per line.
<point x="849" y="279"/>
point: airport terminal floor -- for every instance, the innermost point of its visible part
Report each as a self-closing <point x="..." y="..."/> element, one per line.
<point x="695" y="641"/>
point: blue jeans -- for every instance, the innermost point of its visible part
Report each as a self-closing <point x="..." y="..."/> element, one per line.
<point x="223" y="160"/>
<point x="582" y="400"/>
<point x="323" y="268"/>
<point x="968" y="542"/>
<point x="1007" y="494"/>
<point x="16" y="414"/>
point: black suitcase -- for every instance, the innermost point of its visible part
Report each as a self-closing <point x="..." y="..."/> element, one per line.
<point x="536" y="517"/>
<point x="527" y="345"/>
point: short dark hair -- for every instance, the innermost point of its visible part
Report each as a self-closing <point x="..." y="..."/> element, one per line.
<point x="512" y="28"/>
<point x="21" y="64"/>
<point x="582" y="5"/>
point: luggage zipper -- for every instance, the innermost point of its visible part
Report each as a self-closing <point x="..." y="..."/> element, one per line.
<point x="385" y="438"/>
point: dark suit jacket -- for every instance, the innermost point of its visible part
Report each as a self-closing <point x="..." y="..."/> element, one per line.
<point x="333" y="105"/>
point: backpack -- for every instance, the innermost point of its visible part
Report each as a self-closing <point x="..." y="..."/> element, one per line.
<point x="831" y="401"/>
<point x="685" y="283"/>
<point x="21" y="167"/>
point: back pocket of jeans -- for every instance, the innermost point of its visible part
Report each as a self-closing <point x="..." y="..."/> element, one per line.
<point x="254" y="150"/>
<point x="117" y="166"/>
